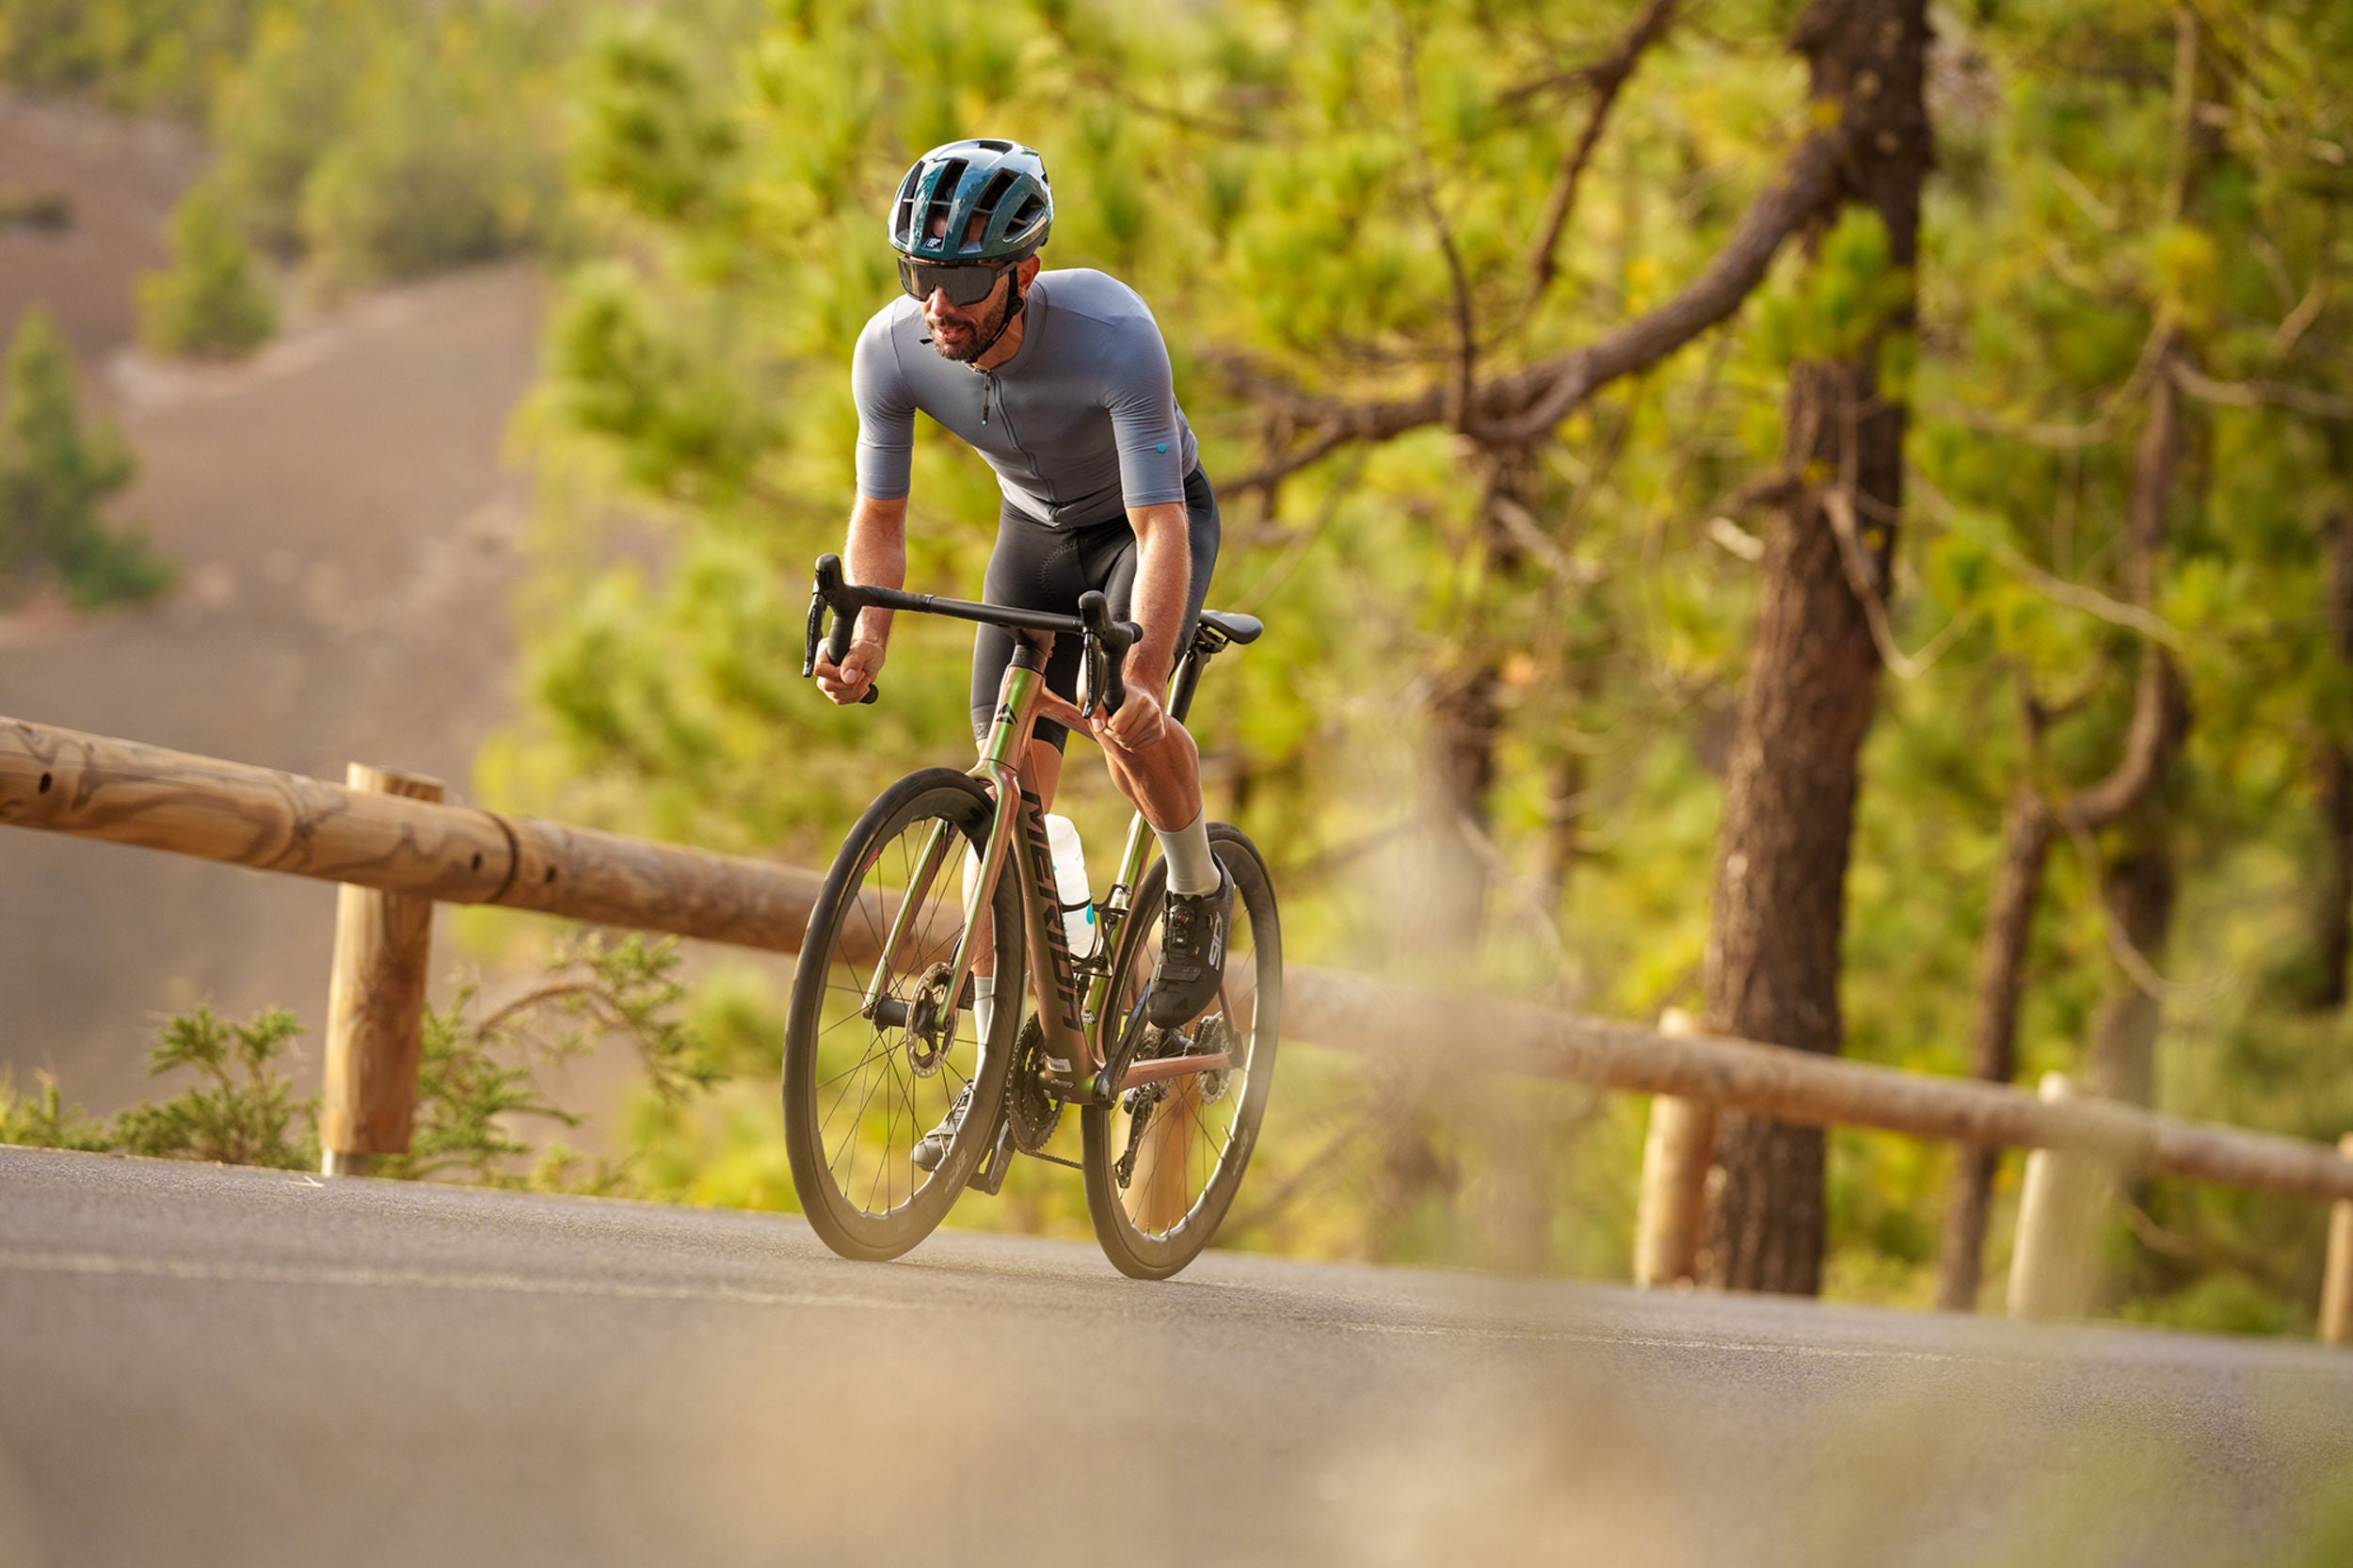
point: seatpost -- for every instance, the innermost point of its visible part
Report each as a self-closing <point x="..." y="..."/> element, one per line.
<point x="1188" y="682"/>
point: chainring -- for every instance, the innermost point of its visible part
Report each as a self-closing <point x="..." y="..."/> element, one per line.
<point x="1031" y="1110"/>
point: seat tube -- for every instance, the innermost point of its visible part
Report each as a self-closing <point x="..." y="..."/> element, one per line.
<point x="1020" y="695"/>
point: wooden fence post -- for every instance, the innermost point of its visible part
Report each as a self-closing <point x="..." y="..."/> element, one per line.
<point x="2336" y="1282"/>
<point x="2053" y="1264"/>
<point x="375" y="1006"/>
<point x="1672" y="1204"/>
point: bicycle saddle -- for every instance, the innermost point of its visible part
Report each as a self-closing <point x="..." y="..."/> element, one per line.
<point x="1234" y="628"/>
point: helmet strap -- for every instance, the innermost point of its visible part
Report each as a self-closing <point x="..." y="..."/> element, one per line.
<point x="1021" y="299"/>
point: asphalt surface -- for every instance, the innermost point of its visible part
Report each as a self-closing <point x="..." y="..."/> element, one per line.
<point x="202" y="1366"/>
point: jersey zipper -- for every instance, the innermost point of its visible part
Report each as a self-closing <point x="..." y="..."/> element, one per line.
<point x="991" y="389"/>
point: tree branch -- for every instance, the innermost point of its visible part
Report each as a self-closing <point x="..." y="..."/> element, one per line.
<point x="2309" y="401"/>
<point x="1608" y="76"/>
<point x="2160" y="724"/>
<point x="1465" y="314"/>
<point x="1524" y="405"/>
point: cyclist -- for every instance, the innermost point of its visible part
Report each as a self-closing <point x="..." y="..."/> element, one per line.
<point x="1061" y="381"/>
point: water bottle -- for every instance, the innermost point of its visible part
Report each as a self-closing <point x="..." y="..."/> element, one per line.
<point x="1070" y="884"/>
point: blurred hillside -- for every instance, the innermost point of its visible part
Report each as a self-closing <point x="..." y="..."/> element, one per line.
<point x="345" y="537"/>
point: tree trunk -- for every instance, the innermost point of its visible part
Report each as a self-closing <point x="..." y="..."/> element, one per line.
<point x="2138" y="887"/>
<point x="1781" y="861"/>
<point x="1465" y="718"/>
<point x="2332" y="922"/>
<point x="1565" y="835"/>
<point x="1994" y="1035"/>
<point x="2137" y="880"/>
<point x="1450" y="885"/>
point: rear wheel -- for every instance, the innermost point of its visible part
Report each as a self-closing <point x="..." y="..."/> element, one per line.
<point x="1164" y="1160"/>
<point x="862" y="1088"/>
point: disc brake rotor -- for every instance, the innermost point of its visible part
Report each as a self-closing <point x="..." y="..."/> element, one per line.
<point x="931" y="1023"/>
<point x="1210" y="1036"/>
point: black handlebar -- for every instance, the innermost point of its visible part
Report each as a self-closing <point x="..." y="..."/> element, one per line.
<point x="1107" y="645"/>
<point x="1104" y="641"/>
<point x="832" y="590"/>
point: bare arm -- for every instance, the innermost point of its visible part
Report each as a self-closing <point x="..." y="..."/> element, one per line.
<point x="1164" y="590"/>
<point x="1163" y="586"/>
<point x="876" y="556"/>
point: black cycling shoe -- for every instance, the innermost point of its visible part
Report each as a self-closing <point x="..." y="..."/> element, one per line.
<point x="931" y="1147"/>
<point x="1193" y="954"/>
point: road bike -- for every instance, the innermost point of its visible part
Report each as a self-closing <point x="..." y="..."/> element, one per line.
<point x="949" y="874"/>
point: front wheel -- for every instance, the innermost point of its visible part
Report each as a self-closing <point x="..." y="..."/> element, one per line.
<point x="1164" y="1160"/>
<point x="864" y="1084"/>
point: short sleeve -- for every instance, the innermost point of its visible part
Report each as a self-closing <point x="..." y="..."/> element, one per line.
<point x="1143" y="401"/>
<point x="885" y="414"/>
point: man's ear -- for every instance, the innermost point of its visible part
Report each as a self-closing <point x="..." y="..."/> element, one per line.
<point x="1027" y="272"/>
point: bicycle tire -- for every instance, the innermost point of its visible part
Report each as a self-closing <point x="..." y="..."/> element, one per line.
<point x="827" y="984"/>
<point x="1137" y="1242"/>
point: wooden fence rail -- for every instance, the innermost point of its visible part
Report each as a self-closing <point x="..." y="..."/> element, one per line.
<point x="126" y="792"/>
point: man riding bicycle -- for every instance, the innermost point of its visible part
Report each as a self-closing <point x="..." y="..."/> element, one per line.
<point x="1061" y="381"/>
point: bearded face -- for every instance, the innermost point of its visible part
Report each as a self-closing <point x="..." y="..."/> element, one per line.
<point x="963" y="333"/>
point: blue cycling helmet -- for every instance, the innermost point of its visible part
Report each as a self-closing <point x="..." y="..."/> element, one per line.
<point x="1002" y="183"/>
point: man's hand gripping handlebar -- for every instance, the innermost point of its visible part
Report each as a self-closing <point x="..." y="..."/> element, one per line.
<point x="1103" y="641"/>
<point x="833" y="591"/>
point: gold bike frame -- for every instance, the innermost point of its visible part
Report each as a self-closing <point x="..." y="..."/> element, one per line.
<point x="1072" y="1017"/>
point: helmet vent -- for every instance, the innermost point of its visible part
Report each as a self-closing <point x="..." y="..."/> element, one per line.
<point x="994" y="192"/>
<point x="942" y="204"/>
<point x="1025" y="215"/>
<point x="996" y="146"/>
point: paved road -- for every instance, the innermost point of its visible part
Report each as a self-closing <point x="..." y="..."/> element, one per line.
<point x="221" y="1366"/>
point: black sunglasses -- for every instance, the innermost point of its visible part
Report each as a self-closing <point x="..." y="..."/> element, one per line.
<point x="963" y="283"/>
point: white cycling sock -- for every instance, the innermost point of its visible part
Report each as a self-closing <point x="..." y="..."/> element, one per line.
<point x="985" y="1003"/>
<point x="1192" y="869"/>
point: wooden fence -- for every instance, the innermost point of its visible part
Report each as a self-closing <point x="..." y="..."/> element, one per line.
<point x="396" y="851"/>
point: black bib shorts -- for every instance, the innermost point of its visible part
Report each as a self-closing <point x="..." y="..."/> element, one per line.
<point x="1038" y="567"/>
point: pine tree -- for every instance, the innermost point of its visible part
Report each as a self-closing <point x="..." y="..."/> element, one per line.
<point x="212" y="301"/>
<point x="55" y="475"/>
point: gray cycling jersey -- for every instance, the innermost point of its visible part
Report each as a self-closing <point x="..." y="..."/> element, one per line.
<point x="1082" y="422"/>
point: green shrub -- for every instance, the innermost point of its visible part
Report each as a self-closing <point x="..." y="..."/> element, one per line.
<point x="476" y="1083"/>
<point x="212" y="301"/>
<point x="241" y="1111"/>
<point x="44" y="1120"/>
<point x="475" y="1087"/>
<point x="443" y="151"/>
<point x="55" y="475"/>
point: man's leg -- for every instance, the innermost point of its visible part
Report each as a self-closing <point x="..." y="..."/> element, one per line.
<point x="1165" y="780"/>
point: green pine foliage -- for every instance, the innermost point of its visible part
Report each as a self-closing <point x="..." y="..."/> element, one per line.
<point x="378" y="139"/>
<point x="42" y="1120"/>
<point x="212" y="302"/>
<point x="241" y="1111"/>
<point x="162" y="54"/>
<point x="55" y="475"/>
<point x="483" y="1115"/>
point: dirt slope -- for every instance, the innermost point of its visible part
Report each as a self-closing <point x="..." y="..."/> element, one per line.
<point x="346" y="535"/>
